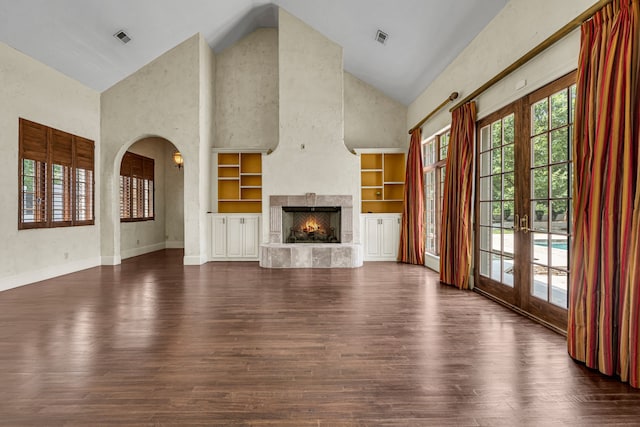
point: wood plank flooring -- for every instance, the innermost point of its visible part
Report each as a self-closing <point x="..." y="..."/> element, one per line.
<point x="153" y="342"/>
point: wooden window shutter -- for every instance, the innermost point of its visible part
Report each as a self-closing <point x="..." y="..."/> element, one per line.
<point x="147" y="168"/>
<point x="84" y="153"/>
<point x="61" y="148"/>
<point x="84" y="181"/>
<point x="33" y="141"/>
<point x="136" y="166"/>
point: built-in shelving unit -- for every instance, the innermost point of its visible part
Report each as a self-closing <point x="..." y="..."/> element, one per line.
<point x="382" y="180"/>
<point x="240" y="182"/>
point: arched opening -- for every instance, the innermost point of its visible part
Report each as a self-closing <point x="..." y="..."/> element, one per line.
<point x="151" y="197"/>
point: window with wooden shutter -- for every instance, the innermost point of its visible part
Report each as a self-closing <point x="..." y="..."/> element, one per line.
<point x="136" y="188"/>
<point x="84" y="200"/>
<point x="56" y="177"/>
<point x="33" y="175"/>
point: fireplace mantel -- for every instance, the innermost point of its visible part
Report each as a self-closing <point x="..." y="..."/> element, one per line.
<point x="277" y="254"/>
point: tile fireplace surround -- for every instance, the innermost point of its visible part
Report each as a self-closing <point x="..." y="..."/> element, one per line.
<point x="277" y="254"/>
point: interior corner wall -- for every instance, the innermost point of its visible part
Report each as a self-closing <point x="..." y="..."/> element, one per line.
<point x="311" y="156"/>
<point x="246" y="87"/>
<point x="173" y="195"/>
<point x="161" y="99"/>
<point x="518" y="28"/>
<point x="206" y="110"/>
<point x="372" y="119"/>
<point x="36" y="92"/>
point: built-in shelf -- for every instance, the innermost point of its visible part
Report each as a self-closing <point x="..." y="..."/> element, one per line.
<point x="239" y="182"/>
<point x="382" y="182"/>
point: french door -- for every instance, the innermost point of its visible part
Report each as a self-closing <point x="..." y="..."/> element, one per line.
<point x="523" y="202"/>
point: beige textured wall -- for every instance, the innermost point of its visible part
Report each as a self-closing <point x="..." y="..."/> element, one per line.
<point x="311" y="155"/>
<point x="173" y="194"/>
<point x="161" y="99"/>
<point x="202" y="205"/>
<point x="32" y="90"/>
<point x="372" y="119"/>
<point x="519" y="27"/>
<point x="247" y="92"/>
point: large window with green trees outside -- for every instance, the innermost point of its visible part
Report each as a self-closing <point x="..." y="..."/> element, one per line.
<point x="434" y="159"/>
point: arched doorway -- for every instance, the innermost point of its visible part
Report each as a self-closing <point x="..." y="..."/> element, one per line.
<point x="151" y="198"/>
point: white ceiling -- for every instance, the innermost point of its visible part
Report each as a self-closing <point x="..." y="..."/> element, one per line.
<point x="76" y="36"/>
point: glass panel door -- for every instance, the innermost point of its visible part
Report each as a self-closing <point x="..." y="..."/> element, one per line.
<point x="550" y="182"/>
<point x="496" y="196"/>
<point x="523" y="202"/>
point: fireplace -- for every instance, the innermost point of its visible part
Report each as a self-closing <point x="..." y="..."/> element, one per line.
<point x="323" y="223"/>
<point x="304" y="224"/>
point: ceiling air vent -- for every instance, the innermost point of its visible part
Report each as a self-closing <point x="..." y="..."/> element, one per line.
<point x="381" y="37"/>
<point x="122" y="36"/>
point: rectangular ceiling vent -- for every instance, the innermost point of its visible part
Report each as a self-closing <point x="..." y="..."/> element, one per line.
<point x="381" y="37"/>
<point x="122" y="36"/>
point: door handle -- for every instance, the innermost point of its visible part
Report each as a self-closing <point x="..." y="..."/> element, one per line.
<point x="524" y="224"/>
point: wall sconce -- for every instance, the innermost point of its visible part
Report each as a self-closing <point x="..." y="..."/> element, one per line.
<point x="178" y="160"/>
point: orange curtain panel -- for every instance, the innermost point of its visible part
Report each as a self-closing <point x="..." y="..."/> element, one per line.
<point x="604" y="296"/>
<point x="455" y="240"/>
<point x="411" y="249"/>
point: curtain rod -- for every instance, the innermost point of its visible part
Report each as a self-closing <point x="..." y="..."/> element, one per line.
<point x="552" y="39"/>
<point x="451" y="97"/>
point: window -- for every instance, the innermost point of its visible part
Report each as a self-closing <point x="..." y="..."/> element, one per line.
<point x="56" y="178"/>
<point x="434" y="154"/>
<point x="136" y="188"/>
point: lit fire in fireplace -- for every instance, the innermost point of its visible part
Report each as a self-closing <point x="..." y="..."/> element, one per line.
<point x="310" y="226"/>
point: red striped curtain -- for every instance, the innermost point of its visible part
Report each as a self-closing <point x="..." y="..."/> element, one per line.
<point x="411" y="249"/>
<point x="604" y="298"/>
<point x="455" y="240"/>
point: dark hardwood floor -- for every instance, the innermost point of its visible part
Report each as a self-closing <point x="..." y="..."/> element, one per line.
<point x="152" y="342"/>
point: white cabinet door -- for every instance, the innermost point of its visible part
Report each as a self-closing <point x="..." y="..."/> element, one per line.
<point x="235" y="241"/>
<point x="234" y="237"/>
<point x="250" y="237"/>
<point x="390" y="232"/>
<point x="218" y="237"/>
<point x="372" y="237"/>
<point x="382" y="236"/>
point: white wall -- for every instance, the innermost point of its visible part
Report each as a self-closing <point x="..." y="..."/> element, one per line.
<point x="247" y="92"/>
<point x="311" y="155"/>
<point x="34" y="91"/>
<point x="164" y="98"/>
<point x="372" y="119"/>
<point x="518" y="28"/>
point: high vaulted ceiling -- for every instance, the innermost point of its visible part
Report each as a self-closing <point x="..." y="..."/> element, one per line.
<point x="76" y="36"/>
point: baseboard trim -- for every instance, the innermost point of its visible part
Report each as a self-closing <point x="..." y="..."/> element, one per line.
<point x="30" y="277"/>
<point x="174" y="244"/>
<point x="194" y="260"/>
<point x="111" y="260"/>
<point x="130" y="253"/>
